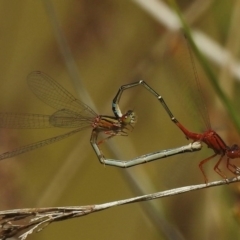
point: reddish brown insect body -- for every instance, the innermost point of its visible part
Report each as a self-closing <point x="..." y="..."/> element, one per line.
<point x="215" y="142"/>
<point x="209" y="137"/>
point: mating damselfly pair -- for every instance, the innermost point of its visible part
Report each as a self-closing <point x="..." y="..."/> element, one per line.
<point x="74" y="114"/>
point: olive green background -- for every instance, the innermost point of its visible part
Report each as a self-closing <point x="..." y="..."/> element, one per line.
<point x="111" y="43"/>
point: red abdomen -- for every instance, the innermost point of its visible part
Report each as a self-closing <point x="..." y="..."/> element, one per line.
<point x="210" y="138"/>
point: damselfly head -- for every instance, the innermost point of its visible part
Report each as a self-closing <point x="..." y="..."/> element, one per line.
<point x="233" y="151"/>
<point x="129" y="118"/>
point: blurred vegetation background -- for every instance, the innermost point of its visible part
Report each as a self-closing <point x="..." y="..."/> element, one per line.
<point x="92" y="48"/>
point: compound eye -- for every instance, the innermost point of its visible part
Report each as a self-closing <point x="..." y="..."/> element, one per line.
<point x="129" y="117"/>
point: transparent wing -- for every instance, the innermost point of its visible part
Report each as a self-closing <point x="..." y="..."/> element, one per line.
<point x="53" y="94"/>
<point x="62" y="119"/>
<point x="36" y="145"/>
<point x="24" y="120"/>
<point x="68" y="119"/>
<point x="184" y="81"/>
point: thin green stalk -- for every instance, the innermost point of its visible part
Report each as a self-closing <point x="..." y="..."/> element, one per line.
<point x="204" y="63"/>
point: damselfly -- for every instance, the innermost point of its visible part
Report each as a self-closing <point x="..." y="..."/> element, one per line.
<point x="209" y="137"/>
<point x="72" y="113"/>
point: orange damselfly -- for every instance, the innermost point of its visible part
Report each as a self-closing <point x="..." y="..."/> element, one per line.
<point x="74" y="114"/>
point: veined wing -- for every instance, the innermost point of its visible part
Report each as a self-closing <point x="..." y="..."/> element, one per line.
<point x="65" y="118"/>
<point x="36" y="145"/>
<point x="24" y="120"/>
<point x="62" y="119"/>
<point x="53" y="94"/>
